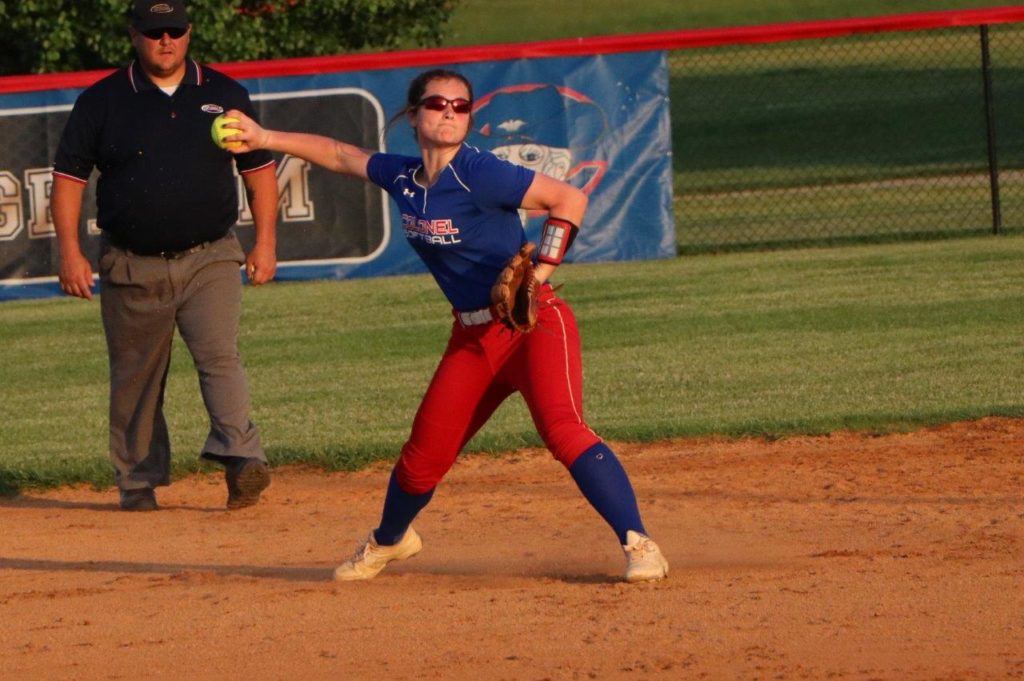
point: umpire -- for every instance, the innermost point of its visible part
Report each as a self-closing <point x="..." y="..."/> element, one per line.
<point x="166" y="206"/>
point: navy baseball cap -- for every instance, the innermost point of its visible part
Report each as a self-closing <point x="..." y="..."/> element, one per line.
<point x="150" y="14"/>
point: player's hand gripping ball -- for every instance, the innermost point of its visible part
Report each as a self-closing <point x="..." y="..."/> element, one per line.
<point x="219" y="132"/>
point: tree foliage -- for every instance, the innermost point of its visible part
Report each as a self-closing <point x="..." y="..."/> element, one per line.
<point x="44" y="36"/>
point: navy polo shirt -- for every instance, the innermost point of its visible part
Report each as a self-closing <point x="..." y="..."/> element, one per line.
<point x="163" y="184"/>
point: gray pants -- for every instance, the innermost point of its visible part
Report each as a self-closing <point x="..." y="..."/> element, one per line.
<point x="142" y="300"/>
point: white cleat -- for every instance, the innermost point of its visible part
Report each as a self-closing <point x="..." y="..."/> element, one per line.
<point x="644" y="560"/>
<point x="372" y="557"/>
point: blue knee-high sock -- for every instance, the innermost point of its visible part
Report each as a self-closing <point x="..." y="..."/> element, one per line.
<point x="400" y="508"/>
<point x="604" y="483"/>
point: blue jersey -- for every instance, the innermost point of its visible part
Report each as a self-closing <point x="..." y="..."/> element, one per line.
<point x="466" y="226"/>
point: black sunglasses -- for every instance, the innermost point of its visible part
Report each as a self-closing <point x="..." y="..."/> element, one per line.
<point x="460" y="105"/>
<point x="158" y="33"/>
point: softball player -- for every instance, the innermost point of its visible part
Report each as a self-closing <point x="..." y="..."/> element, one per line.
<point x="459" y="212"/>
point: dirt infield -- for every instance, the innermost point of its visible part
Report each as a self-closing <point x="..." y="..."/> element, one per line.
<point x="842" y="557"/>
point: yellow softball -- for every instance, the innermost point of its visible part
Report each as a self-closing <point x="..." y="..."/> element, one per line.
<point x="219" y="132"/>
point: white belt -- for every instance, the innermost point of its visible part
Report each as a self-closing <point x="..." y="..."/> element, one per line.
<point x="475" y="317"/>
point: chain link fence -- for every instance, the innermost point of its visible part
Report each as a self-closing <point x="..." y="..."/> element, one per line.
<point x="886" y="136"/>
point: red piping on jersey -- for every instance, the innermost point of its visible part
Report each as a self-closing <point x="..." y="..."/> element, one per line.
<point x="70" y="177"/>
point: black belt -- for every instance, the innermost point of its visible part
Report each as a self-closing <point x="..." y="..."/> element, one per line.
<point x="166" y="255"/>
<point x="174" y="255"/>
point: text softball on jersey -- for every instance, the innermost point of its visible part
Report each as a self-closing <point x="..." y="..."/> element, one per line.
<point x="438" y="232"/>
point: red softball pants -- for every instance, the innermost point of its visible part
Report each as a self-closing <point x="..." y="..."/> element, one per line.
<point x="482" y="366"/>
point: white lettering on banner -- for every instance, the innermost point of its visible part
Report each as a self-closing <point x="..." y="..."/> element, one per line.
<point x="40" y="222"/>
<point x="292" y="189"/>
<point x="39" y="182"/>
<point x="292" y="185"/>
<point x="244" y="211"/>
<point x="10" y="206"/>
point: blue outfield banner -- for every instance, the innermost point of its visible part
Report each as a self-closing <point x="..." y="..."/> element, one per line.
<point x="600" y="122"/>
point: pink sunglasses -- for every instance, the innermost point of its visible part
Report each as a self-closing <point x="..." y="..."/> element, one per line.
<point x="460" y="105"/>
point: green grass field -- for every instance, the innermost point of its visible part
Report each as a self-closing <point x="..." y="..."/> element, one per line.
<point x="481" y="22"/>
<point x="810" y="341"/>
<point x="868" y="137"/>
<point x="875" y="337"/>
<point x="871" y="136"/>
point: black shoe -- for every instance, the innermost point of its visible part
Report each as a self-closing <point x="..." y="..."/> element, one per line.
<point x="143" y="499"/>
<point x="246" y="478"/>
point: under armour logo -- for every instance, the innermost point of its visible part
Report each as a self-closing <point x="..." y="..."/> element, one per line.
<point x="408" y="192"/>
